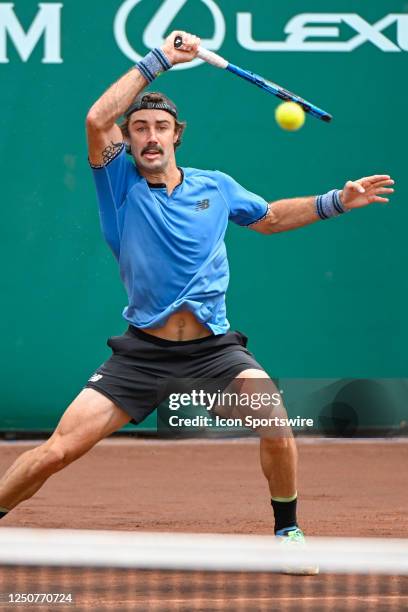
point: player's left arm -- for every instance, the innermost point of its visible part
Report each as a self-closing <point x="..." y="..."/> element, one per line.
<point x="288" y="214"/>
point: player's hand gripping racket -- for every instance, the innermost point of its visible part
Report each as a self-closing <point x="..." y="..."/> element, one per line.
<point x="216" y="60"/>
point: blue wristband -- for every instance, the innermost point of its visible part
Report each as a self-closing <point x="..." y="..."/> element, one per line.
<point x="329" y="205"/>
<point x="153" y="64"/>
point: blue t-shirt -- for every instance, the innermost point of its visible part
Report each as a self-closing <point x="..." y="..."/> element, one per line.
<point x="171" y="249"/>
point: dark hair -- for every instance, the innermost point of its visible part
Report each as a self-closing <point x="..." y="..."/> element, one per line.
<point x="149" y="99"/>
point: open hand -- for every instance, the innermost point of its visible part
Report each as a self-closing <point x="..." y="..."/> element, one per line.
<point x="187" y="52"/>
<point x="366" y="190"/>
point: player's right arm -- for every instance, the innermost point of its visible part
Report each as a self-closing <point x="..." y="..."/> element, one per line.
<point x="104" y="136"/>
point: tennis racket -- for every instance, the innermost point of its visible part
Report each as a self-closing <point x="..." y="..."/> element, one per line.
<point x="280" y="92"/>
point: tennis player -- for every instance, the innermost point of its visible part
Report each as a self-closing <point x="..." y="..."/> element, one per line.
<point x="165" y="225"/>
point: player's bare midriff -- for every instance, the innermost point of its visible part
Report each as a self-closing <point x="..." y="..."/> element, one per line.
<point x="182" y="325"/>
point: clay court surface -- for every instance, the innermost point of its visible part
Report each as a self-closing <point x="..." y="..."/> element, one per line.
<point x="346" y="488"/>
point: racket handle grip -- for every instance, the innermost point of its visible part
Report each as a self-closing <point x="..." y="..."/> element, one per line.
<point x="207" y="56"/>
<point x="212" y="58"/>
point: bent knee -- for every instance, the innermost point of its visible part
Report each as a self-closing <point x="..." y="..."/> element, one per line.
<point x="52" y="458"/>
<point x="276" y="444"/>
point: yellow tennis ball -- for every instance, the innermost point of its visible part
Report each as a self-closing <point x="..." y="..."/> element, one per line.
<point x="290" y="116"/>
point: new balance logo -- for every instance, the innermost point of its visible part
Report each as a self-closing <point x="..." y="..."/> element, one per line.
<point x="95" y="377"/>
<point x="202" y="205"/>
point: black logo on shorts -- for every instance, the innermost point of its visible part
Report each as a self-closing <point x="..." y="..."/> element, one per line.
<point x="202" y="204"/>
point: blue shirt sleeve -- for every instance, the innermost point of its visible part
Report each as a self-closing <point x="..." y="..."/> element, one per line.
<point x="112" y="184"/>
<point x="244" y="206"/>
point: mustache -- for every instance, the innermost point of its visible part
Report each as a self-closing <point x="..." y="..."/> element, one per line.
<point x="152" y="149"/>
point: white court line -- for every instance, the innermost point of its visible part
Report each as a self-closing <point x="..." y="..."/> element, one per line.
<point x="179" y="551"/>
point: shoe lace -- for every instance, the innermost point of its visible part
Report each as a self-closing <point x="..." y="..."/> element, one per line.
<point x="296" y="535"/>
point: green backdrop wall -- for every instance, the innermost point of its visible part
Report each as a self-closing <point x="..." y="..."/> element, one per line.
<point x="324" y="301"/>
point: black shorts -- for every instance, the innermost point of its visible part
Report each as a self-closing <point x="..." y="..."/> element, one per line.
<point x="137" y="374"/>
